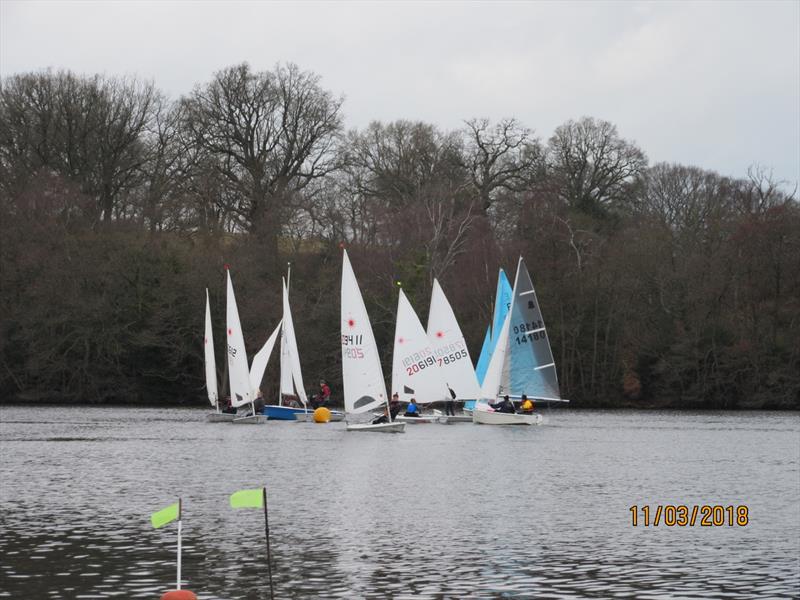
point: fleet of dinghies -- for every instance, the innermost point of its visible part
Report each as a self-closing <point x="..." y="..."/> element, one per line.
<point x="428" y="366"/>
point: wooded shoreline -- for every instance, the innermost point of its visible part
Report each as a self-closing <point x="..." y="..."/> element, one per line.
<point x="119" y="207"/>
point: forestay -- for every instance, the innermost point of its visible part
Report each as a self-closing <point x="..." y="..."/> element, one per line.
<point x="415" y="370"/>
<point x="362" y="376"/>
<point x="450" y="347"/>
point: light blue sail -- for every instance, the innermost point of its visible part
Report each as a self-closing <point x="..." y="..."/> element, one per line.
<point x="502" y="304"/>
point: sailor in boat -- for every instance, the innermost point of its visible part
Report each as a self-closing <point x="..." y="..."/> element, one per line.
<point x="505" y="406"/>
<point x="412" y="410"/>
<point x="394" y="408"/>
<point x="324" y="393"/>
<point x="526" y="407"/>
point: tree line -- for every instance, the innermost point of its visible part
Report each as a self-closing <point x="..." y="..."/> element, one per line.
<point x="661" y="285"/>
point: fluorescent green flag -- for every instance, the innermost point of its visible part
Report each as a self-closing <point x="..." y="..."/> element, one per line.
<point x="166" y="515"/>
<point x="248" y="499"/>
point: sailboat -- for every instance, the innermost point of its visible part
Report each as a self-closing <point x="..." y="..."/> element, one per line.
<point x="502" y="304"/>
<point x="522" y="361"/>
<point x="291" y="375"/>
<point x="450" y="351"/>
<point x="415" y="369"/>
<point x="242" y="392"/>
<point x="362" y="376"/>
<point x="291" y="378"/>
<point x="211" y="372"/>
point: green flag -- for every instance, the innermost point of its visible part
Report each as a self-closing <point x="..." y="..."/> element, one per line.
<point x="248" y="499"/>
<point x="166" y="515"/>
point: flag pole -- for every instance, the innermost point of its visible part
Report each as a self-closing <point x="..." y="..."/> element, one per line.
<point x="180" y="506"/>
<point x="266" y="530"/>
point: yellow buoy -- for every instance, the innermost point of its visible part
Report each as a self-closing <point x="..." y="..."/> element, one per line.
<point x="322" y="415"/>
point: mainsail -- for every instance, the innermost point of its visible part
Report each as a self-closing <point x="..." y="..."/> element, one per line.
<point x="290" y="360"/>
<point x="261" y="359"/>
<point x="415" y="369"/>
<point x="211" y="363"/>
<point x="362" y="376"/>
<point x="450" y="348"/>
<point x="238" y="373"/>
<point x="522" y="362"/>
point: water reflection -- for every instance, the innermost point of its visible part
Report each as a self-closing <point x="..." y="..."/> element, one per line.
<point x="440" y="512"/>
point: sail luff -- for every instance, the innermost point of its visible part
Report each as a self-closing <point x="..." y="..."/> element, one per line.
<point x="292" y="354"/>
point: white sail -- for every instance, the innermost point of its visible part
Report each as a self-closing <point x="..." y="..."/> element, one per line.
<point x="531" y="368"/>
<point x="362" y="376"/>
<point x="286" y="386"/>
<point x="211" y="363"/>
<point x="450" y="347"/>
<point x="238" y="373"/>
<point x="261" y="359"/>
<point x="493" y="380"/>
<point x="289" y="341"/>
<point x="415" y="372"/>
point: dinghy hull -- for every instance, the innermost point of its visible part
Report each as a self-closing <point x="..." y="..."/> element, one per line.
<point x="282" y="413"/>
<point x="250" y="420"/>
<point x="220" y="417"/>
<point x="486" y="417"/>
<point x="309" y="416"/>
<point x="420" y="419"/>
<point x="395" y="427"/>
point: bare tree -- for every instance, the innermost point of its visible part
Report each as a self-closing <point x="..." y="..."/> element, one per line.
<point x="272" y="133"/>
<point x="505" y="157"/>
<point x="593" y="166"/>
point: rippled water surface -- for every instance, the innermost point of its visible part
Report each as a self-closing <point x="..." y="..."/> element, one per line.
<point x="442" y="511"/>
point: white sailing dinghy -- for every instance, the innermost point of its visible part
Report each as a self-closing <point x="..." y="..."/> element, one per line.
<point x="211" y="372"/>
<point x="242" y="392"/>
<point x="362" y="376"/>
<point x="415" y="369"/>
<point x="451" y="353"/>
<point x="522" y="361"/>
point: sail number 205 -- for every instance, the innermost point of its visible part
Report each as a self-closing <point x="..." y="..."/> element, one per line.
<point x="534" y="329"/>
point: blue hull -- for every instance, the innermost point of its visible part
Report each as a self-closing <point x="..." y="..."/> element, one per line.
<point x="281" y="413"/>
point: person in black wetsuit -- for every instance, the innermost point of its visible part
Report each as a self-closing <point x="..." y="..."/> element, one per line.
<point x="394" y="408"/>
<point x="450" y="405"/>
<point x="506" y="406"/>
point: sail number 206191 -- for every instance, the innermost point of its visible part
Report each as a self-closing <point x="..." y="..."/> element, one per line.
<point x="688" y="516"/>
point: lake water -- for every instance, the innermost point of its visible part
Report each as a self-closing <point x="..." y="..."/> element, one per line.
<point x="442" y="511"/>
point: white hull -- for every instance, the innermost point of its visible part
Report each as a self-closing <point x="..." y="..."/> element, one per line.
<point x="455" y="419"/>
<point x="220" y="417"/>
<point x="421" y="419"/>
<point x="250" y="420"/>
<point x="497" y="418"/>
<point x="394" y="427"/>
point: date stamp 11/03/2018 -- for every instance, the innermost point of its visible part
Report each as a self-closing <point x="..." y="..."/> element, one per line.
<point x="682" y="515"/>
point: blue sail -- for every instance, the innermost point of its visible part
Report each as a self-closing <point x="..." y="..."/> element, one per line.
<point x="486" y="355"/>
<point x="502" y="304"/>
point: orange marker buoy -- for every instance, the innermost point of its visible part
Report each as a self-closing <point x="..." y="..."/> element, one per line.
<point x="322" y="415"/>
<point x="178" y="595"/>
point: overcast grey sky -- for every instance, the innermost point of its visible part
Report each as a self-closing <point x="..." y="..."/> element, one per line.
<point x="712" y="84"/>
